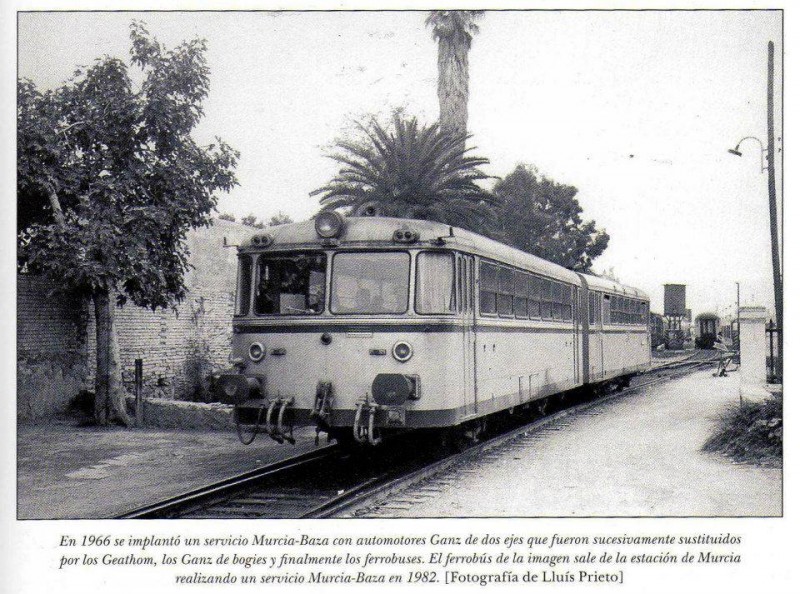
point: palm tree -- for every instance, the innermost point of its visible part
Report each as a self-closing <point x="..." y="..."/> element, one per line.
<point x="410" y="171"/>
<point x="453" y="30"/>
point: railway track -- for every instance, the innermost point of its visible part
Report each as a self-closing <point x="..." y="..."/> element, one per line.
<point x="330" y="480"/>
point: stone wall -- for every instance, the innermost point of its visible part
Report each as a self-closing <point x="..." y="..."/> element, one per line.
<point x="179" y="348"/>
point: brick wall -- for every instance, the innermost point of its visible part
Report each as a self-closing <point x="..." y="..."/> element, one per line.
<point x="179" y="348"/>
<point x="51" y="349"/>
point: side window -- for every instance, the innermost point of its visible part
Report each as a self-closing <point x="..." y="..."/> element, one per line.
<point x="521" y="294"/>
<point x="558" y="301"/>
<point x="505" y="292"/>
<point x="592" y="297"/>
<point x="568" y="301"/>
<point x="462" y="284"/>
<point x="606" y="305"/>
<point x="534" y="295"/>
<point x="547" y="300"/>
<point x="488" y="282"/>
<point x="470" y="264"/>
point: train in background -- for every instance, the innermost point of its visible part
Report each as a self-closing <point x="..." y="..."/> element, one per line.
<point x="707" y="328"/>
<point x="369" y="326"/>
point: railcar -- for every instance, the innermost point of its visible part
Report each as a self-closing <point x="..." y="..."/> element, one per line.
<point x="367" y="326"/>
<point x="708" y="327"/>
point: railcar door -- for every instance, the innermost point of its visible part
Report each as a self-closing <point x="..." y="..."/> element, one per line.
<point x="466" y="309"/>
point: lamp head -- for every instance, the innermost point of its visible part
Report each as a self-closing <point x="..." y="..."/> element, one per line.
<point x="735" y="152"/>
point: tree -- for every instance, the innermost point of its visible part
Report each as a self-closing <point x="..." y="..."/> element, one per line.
<point x="251" y="221"/>
<point x="227" y="217"/>
<point x="109" y="182"/>
<point x="543" y="217"/>
<point x="410" y="171"/>
<point x="280" y="219"/>
<point x="453" y="30"/>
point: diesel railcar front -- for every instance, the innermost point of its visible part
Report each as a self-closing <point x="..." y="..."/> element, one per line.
<point x="367" y="325"/>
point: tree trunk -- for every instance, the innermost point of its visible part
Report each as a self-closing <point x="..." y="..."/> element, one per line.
<point x="109" y="398"/>
<point x="453" y="88"/>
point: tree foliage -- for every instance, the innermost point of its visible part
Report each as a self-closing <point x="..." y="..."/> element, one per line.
<point x="543" y="217"/>
<point x="453" y="30"/>
<point x="110" y="180"/>
<point x="280" y="219"/>
<point x="251" y="221"/>
<point x="121" y="166"/>
<point x="410" y="170"/>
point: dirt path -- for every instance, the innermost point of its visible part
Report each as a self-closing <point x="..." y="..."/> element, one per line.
<point x="637" y="456"/>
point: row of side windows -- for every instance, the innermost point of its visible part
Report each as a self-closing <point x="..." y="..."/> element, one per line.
<point x="628" y="311"/>
<point x="617" y="310"/>
<point x="513" y="293"/>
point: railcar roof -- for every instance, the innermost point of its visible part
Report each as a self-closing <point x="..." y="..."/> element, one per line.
<point x="601" y="283"/>
<point x="707" y="315"/>
<point x="378" y="231"/>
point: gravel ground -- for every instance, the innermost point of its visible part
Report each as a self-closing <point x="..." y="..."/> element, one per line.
<point x="639" y="455"/>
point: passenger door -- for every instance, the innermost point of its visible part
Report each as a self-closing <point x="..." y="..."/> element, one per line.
<point x="466" y="307"/>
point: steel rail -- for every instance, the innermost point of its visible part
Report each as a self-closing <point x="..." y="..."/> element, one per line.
<point x="378" y="486"/>
<point x="201" y="496"/>
<point x="363" y="497"/>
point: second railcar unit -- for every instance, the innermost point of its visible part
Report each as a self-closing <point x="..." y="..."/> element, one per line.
<point x="368" y="325"/>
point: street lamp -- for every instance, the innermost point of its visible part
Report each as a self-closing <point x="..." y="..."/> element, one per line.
<point x="768" y="156"/>
<point x="764" y="157"/>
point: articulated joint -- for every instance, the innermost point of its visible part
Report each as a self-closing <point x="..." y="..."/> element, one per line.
<point x="364" y="429"/>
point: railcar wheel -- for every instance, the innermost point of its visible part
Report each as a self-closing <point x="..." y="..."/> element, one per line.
<point x="542" y="405"/>
<point x="455" y="440"/>
<point x="344" y="438"/>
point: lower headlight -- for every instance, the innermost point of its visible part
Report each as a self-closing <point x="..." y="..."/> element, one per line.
<point x="256" y="352"/>
<point x="402" y="351"/>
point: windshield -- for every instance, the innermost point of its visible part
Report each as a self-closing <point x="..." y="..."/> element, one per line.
<point x="370" y="283"/>
<point x="290" y="284"/>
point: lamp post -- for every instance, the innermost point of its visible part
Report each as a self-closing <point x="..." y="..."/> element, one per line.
<point x="768" y="156"/>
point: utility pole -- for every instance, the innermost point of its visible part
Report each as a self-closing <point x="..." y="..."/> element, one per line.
<point x="773" y="208"/>
<point x="737" y="344"/>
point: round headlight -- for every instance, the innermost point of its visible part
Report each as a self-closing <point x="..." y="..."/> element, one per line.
<point x="256" y="352"/>
<point x="329" y="224"/>
<point x="402" y="351"/>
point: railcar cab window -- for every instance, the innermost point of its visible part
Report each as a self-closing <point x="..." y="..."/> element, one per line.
<point x="370" y="282"/>
<point x="436" y="292"/>
<point x="244" y="284"/>
<point x="290" y="284"/>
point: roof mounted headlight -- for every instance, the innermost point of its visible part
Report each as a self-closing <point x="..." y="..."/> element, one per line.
<point x="329" y="224"/>
<point x="263" y="240"/>
<point x="405" y="235"/>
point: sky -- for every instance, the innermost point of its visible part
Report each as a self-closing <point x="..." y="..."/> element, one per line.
<point x="635" y="109"/>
